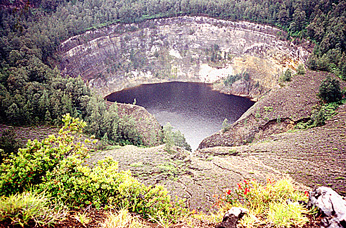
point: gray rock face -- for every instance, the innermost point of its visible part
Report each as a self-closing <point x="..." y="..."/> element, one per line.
<point x="194" y="49"/>
<point x="231" y="217"/>
<point x="331" y="205"/>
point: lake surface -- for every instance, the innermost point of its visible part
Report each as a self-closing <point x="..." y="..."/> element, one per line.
<point x="193" y="108"/>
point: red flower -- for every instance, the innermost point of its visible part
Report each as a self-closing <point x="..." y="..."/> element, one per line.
<point x="307" y="193"/>
<point x="239" y="185"/>
<point x="246" y="182"/>
<point x="246" y="191"/>
<point x="229" y="192"/>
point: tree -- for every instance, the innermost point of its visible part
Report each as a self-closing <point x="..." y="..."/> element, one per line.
<point x="8" y="143"/>
<point x="47" y="118"/>
<point x="179" y="140"/>
<point x="168" y="136"/>
<point x="329" y="90"/>
<point x="12" y="114"/>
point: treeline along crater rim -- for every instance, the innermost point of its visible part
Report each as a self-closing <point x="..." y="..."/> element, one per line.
<point x="193" y="108"/>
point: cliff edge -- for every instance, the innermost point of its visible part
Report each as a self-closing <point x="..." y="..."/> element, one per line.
<point x="193" y="49"/>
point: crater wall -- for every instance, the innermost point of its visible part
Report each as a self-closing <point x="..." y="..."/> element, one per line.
<point x="196" y="49"/>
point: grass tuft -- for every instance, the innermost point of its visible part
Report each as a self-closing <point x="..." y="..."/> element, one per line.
<point x="123" y="219"/>
<point x="22" y="209"/>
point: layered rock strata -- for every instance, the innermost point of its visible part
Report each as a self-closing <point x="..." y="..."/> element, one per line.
<point x="197" y="49"/>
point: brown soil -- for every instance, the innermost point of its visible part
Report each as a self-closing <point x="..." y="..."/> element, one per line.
<point x="97" y="218"/>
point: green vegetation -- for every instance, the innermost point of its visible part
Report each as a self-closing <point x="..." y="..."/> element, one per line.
<point x="33" y="91"/>
<point x="22" y="208"/>
<point x="329" y="90"/>
<point x="8" y="143"/>
<point x="301" y="69"/>
<point x="225" y="125"/>
<point x="230" y="79"/>
<point x="122" y="219"/>
<point x="320" y="114"/>
<point x="56" y="167"/>
<point x="174" y="138"/>
<point x="286" y="76"/>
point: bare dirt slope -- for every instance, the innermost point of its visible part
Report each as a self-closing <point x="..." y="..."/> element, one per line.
<point x="276" y="112"/>
<point x="313" y="157"/>
<point x="195" y="177"/>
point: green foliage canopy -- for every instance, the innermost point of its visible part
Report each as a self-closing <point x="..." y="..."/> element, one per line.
<point x="329" y="90"/>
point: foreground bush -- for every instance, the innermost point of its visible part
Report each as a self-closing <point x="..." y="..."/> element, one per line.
<point x="104" y="186"/>
<point x="57" y="166"/>
<point x="27" y="168"/>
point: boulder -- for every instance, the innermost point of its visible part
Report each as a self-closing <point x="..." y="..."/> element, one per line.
<point x="331" y="204"/>
<point x="231" y="217"/>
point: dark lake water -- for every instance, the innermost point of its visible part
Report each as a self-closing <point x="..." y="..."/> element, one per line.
<point x="193" y="108"/>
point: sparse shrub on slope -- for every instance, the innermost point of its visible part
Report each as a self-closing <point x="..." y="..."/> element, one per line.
<point x="329" y="90"/>
<point x="301" y="69"/>
<point x="286" y="76"/>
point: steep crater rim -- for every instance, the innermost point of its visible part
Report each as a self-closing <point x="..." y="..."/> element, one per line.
<point x="187" y="49"/>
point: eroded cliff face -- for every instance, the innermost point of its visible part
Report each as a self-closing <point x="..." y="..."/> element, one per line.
<point x="196" y="49"/>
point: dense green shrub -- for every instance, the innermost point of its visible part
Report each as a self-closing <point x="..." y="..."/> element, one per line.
<point x="329" y="90"/>
<point x="230" y="79"/>
<point x="57" y="166"/>
<point x="103" y="121"/>
<point x="19" y="172"/>
<point x="103" y="185"/>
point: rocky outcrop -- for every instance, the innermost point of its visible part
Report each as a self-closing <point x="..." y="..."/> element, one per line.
<point x="231" y="217"/>
<point x="332" y="206"/>
<point x="198" y="49"/>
